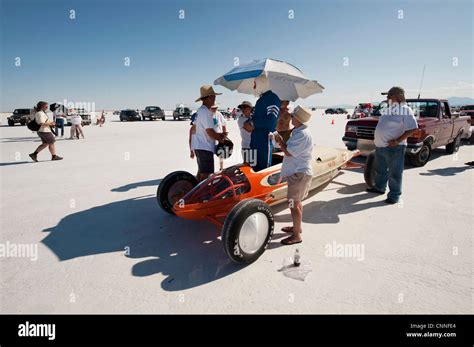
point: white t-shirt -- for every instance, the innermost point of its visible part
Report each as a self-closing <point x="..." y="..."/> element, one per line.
<point x="219" y="122"/>
<point x="76" y="119"/>
<point x="393" y="122"/>
<point x="201" y="140"/>
<point x="300" y="146"/>
<point x="246" y="135"/>
<point x="42" y="117"/>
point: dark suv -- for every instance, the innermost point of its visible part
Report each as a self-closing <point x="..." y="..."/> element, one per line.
<point x="129" y="115"/>
<point x="153" y="112"/>
<point x="20" y="115"/>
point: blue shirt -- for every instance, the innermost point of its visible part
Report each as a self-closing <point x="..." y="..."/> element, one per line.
<point x="266" y="111"/>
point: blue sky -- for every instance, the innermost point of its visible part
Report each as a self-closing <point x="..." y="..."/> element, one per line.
<point x="82" y="60"/>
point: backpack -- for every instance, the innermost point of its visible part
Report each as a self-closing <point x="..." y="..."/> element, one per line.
<point x="33" y="125"/>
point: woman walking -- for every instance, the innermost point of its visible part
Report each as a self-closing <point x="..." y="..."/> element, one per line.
<point x="44" y="132"/>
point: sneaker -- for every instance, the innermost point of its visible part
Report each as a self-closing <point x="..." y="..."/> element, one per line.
<point x="391" y="201"/>
<point x="56" y="157"/>
<point x="34" y="157"/>
<point x="373" y="190"/>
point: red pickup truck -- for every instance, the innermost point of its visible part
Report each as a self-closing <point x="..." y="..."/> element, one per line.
<point x="436" y="127"/>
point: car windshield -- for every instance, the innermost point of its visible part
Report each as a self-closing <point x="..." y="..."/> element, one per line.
<point x="129" y="113"/>
<point x="467" y="108"/>
<point x="219" y="186"/>
<point x="424" y="109"/>
<point x="152" y="109"/>
<point x="22" y="111"/>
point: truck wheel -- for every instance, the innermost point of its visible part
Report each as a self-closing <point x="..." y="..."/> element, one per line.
<point x="173" y="187"/>
<point x="11" y="123"/>
<point x="247" y="230"/>
<point x="369" y="170"/>
<point x="421" y="158"/>
<point x="162" y="118"/>
<point x="453" y="147"/>
<point x="121" y="119"/>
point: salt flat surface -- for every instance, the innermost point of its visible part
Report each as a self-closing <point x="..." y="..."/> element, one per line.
<point x="105" y="246"/>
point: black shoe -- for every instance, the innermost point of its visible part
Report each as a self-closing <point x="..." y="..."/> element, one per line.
<point x="373" y="190"/>
<point x="390" y="201"/>
<point x="55" y="157"/>
<point x="33" y="156"/>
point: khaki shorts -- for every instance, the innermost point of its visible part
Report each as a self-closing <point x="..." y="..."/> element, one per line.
<point x="298" y="186"/>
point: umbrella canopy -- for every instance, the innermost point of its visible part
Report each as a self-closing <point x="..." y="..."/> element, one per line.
<point x="285" y="80"/>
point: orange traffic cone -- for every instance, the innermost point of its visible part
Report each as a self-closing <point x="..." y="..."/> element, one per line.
<point x="332" y="122"/>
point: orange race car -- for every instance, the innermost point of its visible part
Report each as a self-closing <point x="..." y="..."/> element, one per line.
<point x="238" y="199"/>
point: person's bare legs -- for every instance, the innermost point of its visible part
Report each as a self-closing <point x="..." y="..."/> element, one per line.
<point x="297" y="217"/>
<point x="52" y="149"/>
<point x="73" y="131"/>
<point x="41" y="147"/>
<point x="79" y="131"/>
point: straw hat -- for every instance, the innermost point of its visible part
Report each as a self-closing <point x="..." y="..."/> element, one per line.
<point x="206" y="91"/>
<point x="302" y="114"/>
<point x="245" y="103"/>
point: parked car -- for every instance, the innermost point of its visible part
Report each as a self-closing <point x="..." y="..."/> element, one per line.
<point x="468" y="111"/>
<point x="330" y="111"/>
<point x="182" y="112"/>
<point x="153" y="112"/>
<point x="129" y="115"/>
<point x="436" y="127"/>
<point x="20" y="115"/>
<point x="116" y="113"/>
<point x="341" y="110"/>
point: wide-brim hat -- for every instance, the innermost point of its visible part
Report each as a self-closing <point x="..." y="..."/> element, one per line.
<point x="302" y="114"/>
<point x="245" y="103"/>
<point x="206" y="91"/>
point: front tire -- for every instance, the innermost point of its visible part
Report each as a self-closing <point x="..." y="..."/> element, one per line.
<point x="11" y="123"/>
<point x="247" y="231"/>
<point x="421" y="158"/>
<point x="173" y="187"/>
<point x="453" y="147"/>
<point x="369" y="170"/>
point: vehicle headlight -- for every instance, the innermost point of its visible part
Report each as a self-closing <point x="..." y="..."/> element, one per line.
<point x="351" y="128"/>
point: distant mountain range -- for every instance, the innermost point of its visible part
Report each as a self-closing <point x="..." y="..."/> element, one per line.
<point x="460" y="101"/>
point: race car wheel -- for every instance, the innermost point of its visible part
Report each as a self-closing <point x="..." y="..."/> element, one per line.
<point x="173" y="187"/>
<point x="247" y="231"/>
<point x="369" y="170"/>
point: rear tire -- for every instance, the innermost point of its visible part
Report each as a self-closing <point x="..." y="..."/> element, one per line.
<point x="453" y="147"/>
<point x="369" y="170"/>
<point x="422" y="157"/>
<point x="247" y="231"/>
<point x="11" y="123"/>
<point x="173" y="187"/>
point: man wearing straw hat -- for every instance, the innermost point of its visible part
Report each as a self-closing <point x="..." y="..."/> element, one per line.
<point x="296" y="168"/>
<point x="205" y="137"/>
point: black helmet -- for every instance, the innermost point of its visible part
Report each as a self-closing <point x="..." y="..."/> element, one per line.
<point x="224" y="150"/>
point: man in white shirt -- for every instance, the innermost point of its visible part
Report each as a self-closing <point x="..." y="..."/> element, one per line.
<point x="297" y="169"/>
<point x="396" y="124"/>
<point x="205" y="137"/>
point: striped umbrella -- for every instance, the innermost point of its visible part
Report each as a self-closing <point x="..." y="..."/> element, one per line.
<point x="285" y="80"/>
